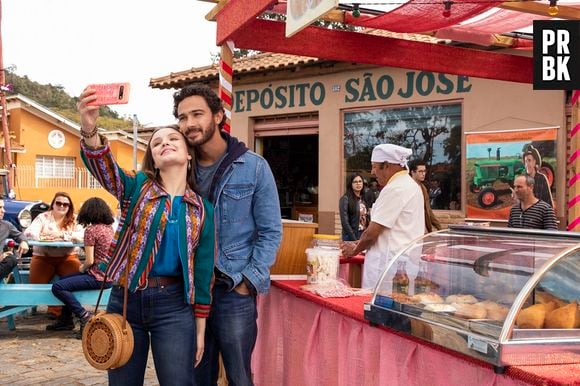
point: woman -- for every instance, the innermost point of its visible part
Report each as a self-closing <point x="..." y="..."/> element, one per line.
<point x="353" y="209"/>
<point x="163" y="251"/>
<point x="96" y="216"/>
<point x="56" y="224"/>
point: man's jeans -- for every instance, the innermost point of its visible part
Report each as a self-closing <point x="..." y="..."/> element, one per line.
<point x="160" y="316"/>
<point x="231" y="330"/>
<point x="64" y="288"/>
<point x="7" y="265"/>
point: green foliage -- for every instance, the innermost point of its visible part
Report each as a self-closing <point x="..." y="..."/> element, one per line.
<point x="56" y="99"/>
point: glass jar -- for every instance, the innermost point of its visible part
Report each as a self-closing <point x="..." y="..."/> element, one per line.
<point x="322" y="259"/>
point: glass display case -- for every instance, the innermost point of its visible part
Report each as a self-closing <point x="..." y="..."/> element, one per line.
<point x="505" y="296"/>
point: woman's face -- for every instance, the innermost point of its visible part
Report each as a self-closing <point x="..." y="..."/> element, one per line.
<point x="357" y="184"/>
<point x="61" y="205"/>
<point x="168" y="148"/>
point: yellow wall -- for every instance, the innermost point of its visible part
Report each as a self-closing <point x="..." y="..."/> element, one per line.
<point x="31" y="131"/>
<point x="489" y="105"/>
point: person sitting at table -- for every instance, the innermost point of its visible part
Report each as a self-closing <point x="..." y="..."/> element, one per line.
<point x="97" y="218"/>
<point x="163" y="252"/>
<point x="56" y="224"/>
<point x="7" y="230"/>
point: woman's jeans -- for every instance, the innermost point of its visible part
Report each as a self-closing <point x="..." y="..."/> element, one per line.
<point x="64" y="288"/>
<point x="160" y="316"/>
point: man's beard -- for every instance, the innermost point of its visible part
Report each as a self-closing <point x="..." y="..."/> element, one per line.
<point x="205" y="136"/>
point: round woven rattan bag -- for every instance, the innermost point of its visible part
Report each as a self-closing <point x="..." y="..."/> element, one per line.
<point x="106" y="344"/>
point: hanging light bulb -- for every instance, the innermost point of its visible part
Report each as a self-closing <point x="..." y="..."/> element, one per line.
<point x="553" y="8"/>
<point x="447" y="10"/>
<point x="355" y="10"/>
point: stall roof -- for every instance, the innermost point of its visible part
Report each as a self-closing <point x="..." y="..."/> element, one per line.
<point x="266" y="62"/>
<point x="479" y="23"/>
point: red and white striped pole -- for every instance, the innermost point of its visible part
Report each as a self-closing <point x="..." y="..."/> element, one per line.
<point x="226" y="77"/>
<point x="574" y="163"/>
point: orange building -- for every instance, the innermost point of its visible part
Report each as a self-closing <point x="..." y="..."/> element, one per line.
<point x="45" y="152"/>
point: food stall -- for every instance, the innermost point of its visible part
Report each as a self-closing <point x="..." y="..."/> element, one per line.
<point x="500" y="295"/>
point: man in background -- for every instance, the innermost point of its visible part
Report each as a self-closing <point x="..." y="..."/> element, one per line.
<point x="530" y="211"/>
<point x="240" y="184"/>
<point x="7" y="230"/>
<point x="418" y="171"/>
<point x="397" y="217"/>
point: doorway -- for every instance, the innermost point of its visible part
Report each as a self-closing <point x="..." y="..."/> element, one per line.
<point x="294" y="163"/>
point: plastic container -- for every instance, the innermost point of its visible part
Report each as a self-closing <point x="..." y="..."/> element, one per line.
<point x="322" y="259"/>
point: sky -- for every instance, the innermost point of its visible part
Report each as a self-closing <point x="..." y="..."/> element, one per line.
<point x="74" y="43"/>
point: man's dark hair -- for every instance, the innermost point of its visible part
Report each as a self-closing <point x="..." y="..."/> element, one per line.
<point x="414" y="164"/>
<point x="196" y="89"/>
<point x="95" y="211"/>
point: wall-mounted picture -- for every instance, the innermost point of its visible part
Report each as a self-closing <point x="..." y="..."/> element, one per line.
<point x="495" y="159"/>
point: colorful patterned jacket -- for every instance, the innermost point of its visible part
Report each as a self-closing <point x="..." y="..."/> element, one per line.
<point x="145" y="207"/>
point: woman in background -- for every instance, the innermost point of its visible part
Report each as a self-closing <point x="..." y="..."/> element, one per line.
<point x="354" y="211"/>
<point x="96" y="216"/>
<point x="56" y="224"/>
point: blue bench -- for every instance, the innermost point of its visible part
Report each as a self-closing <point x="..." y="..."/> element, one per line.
<point x="17" y="298"/>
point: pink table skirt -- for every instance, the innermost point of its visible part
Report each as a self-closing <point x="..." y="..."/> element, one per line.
<point x="328" y="342"/>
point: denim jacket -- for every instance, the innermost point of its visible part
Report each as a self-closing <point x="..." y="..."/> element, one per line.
<point x="247" y="220"/>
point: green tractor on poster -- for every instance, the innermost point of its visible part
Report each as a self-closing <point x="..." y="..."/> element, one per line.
<point x="487" y="172"/>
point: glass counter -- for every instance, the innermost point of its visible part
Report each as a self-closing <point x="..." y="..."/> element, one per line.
<point x="505" y="296"/>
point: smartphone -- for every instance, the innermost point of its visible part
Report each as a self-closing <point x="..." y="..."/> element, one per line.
<point x="111" y="94"/>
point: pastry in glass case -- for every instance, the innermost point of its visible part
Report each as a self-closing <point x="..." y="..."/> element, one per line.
<point x="506" y="296"/>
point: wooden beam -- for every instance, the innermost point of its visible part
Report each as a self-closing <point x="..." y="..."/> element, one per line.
<point x="343" y="46"/>
<point x="236" y="14"/>
<point x="211" y="16"/>
<point x="541" y="9"/>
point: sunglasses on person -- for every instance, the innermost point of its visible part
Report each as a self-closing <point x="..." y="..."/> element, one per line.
<point x="63" y="204"/>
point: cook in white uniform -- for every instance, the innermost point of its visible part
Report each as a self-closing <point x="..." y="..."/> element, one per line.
<point x="397" y="216"/>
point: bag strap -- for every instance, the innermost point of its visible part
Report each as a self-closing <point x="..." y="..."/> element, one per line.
<point x="125" y="296"/>
<point x="140" y="179"/>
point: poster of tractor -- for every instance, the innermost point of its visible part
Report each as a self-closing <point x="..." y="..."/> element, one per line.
<point x="494" y="159"/>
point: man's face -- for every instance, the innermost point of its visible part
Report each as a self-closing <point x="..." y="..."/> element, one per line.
<point x="382" y="175"/>
<point x="419" y="174"/>
<point x="521" y="188"/>
<point x="2" y="209"/>
<point x="196" y="121"/>
<point x="530" y="163"/>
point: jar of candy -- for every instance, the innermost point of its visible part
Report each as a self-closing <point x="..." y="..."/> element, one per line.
<point x="322" y="259"/>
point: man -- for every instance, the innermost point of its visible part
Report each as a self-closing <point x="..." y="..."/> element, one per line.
<point x="418" y="171"/>
<point x="530" y="212"/>
<point x="397" y="217"/>
<point x="533" y="163"/>
<point x="7" y="230"/>
<point x="249" y="228"/>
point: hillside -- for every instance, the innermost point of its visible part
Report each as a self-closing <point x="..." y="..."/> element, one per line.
<point x="55" y="98"/>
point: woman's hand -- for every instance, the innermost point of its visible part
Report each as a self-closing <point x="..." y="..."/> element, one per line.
<point x="200" y="330"/>
<point x="89" y="114"/>
<point x="23" y="248"/>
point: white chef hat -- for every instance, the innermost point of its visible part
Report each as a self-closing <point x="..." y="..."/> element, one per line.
<point x="392" y="154"/>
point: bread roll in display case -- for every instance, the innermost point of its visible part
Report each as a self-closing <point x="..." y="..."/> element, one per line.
<point x="505" y="296"/>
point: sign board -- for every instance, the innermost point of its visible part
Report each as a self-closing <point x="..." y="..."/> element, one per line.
<point x="300" y="13"/>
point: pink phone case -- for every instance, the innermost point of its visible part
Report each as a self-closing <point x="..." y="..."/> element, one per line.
<point x="111" y="93"/>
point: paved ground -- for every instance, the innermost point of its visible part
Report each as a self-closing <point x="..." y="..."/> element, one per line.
<point x="30" y="355"/>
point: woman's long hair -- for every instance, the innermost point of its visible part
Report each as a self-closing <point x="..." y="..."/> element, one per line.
<point x="352" y="198"/>
<point x="69" y="218"/>
<point x="148" y="166"/>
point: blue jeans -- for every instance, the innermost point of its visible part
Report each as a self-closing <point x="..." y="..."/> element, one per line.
<point x="231" y="330"/>
<point x="64" y="288"/>
<point x="160" y="316"/>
